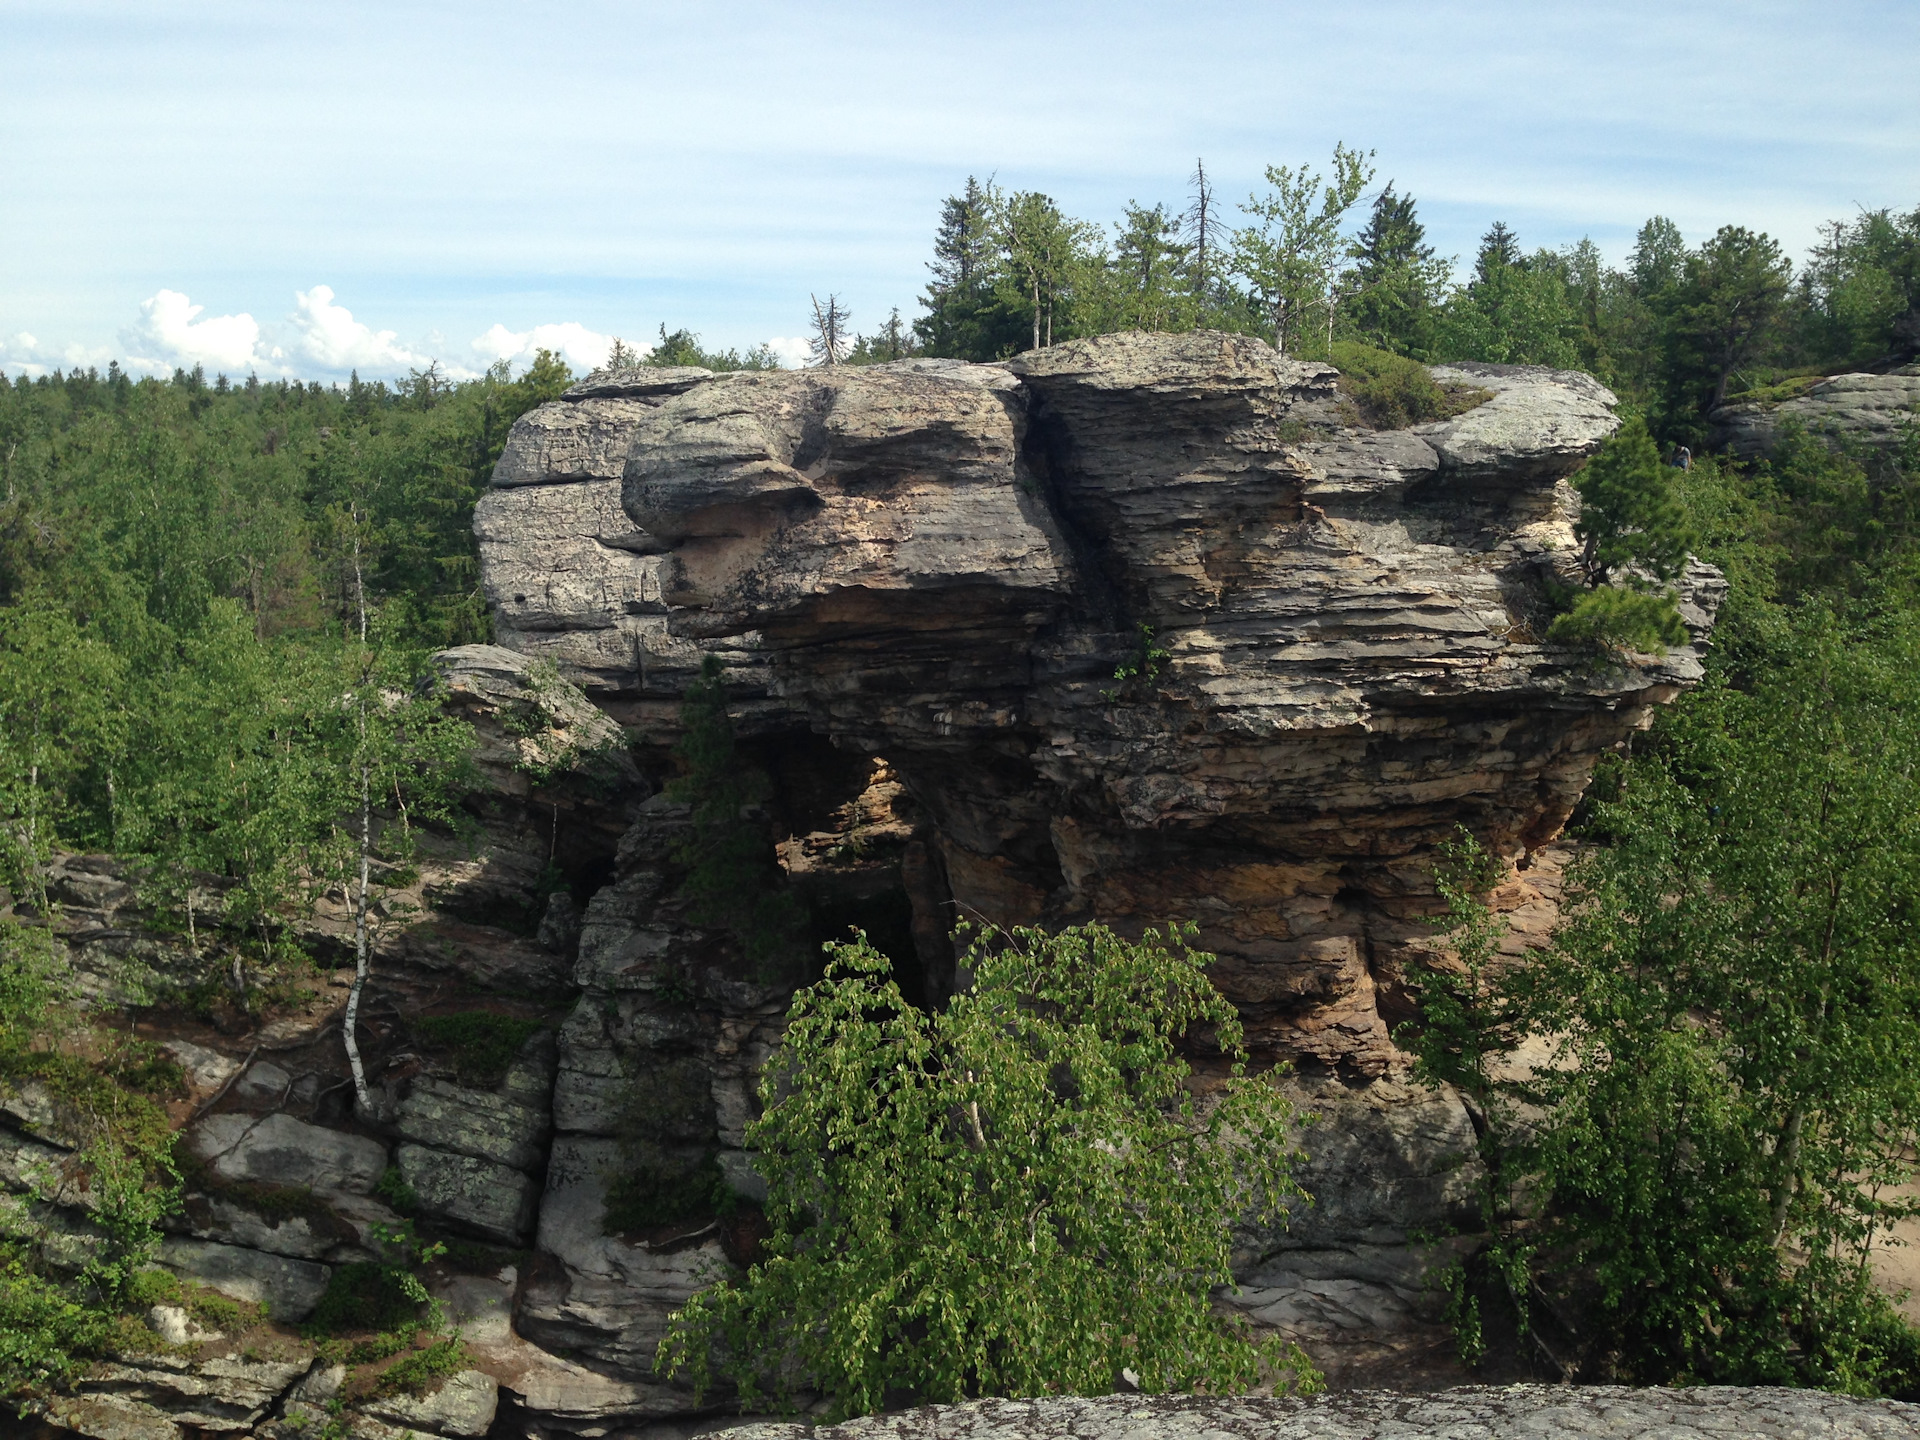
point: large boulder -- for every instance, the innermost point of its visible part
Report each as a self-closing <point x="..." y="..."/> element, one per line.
<point x="1878" y="411"/>
<point x="280" y="1150"/>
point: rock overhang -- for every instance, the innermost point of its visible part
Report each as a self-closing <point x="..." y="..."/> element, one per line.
<point x="1117" y="605"/>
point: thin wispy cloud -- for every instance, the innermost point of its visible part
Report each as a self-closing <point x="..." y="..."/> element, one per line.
<point x="632" y="166"/>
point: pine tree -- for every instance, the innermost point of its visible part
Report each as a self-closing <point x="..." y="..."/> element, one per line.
<point x="1396" y="275"/>
<point x="962" y="319"/>
<point x="1629" y="517"/>
<point x="1149" y="263"/>
<point x="1499" y="251"/>
<point x="1629" y="514"/>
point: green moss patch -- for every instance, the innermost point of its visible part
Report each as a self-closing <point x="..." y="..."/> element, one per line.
<point x="482" y="1042"/>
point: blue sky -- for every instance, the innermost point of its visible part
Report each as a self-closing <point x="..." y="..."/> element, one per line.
<point x="306" y="188"/>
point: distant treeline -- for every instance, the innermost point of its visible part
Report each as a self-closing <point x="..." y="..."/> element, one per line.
<point x="1676" y="331"/>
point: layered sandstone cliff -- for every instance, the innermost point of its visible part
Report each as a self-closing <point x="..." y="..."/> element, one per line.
<point x="1137" y="629"/>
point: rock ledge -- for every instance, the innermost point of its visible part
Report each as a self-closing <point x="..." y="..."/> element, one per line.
<point x="1483" y="1412"/>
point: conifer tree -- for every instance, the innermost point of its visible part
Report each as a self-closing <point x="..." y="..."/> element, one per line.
<point x="1629" y="514"/>
<point x="1629" y="518"/>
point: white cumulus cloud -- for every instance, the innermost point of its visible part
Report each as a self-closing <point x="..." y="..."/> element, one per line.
<point x="170" y="332"/>
<point x="581" y="348"/>
<point x="327" y="336"/>
<point x="791" y="350"/>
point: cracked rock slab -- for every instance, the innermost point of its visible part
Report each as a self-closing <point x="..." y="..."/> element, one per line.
<point x="1480" y="1412"/>
<point x="463" y="1406"/>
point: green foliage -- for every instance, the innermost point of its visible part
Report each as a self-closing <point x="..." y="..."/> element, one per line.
<point x="732" y="880"/>
<point x="683" y="347"/>
<point x="483" y="1043"/>
<point x="1617" y="619"/>
<point x="374" y="1309"/>
<point x="658" y="1189"/>
<point x="1731" y="1099"/>
<point x="1391" y="391"/>
<point x="418" y="1372"/>
<point x="1843" y="520"/>
<point x="1631" y="518"/>
<point x="105" y="1085"/>
<point x="46" y="1336"/>
<point x="392" y="1187"/>
<point x="1516" y="310"/>
<point x="1290" y="256"/>
<point x="363" y="1295"/>
<point x="1721" y="315"/>
<point x="1860" y="291"/>
<point x="1143" y="665"/>
<point x="1019" y="1195"/>
<point x="1397" y="280"/>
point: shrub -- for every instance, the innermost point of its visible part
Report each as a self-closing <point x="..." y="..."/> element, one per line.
<point x="418" y="1371"/>
<point x="365" y="1295"/>
<point x="1726" y="1101"/>
<point x="1015" y="1196"/>
<point x="483" y="1043"/>
<point x="1391" y="392"/>
<point x="659" y="1189"/>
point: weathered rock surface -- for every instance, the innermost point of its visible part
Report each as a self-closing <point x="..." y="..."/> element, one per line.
<point x="1481" y="1412"/>
<point x="463" y="1406"/>
<point x="155" y="1395"/>
<point x="288" y="1288"/>
<point x="280" y="1150"/>
<point x="921" y="578"/>
<point x="1871" y="410"/>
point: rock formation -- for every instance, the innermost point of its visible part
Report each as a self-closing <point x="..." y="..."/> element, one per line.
<point x="1872" y="410"/>
<point x="1141" y="629"/>
<point x="1518" y="1412"/>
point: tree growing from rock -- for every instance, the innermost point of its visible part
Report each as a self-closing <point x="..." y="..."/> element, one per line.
<point x="1630" y="520"/>
<point x="1018" y="1195"/>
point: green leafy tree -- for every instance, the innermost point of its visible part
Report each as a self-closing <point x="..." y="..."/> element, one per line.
<point x="1289" y="257"/>
<point x="60" y="726"/>
<point x="1150" y="275"/>
<point x="1860" y="290"/>
<point x="1724" y="313"/>
<point x="1729" y="1107"/>
<point x="1019" y="1195"/>
<point x="1048" y="262"/>
<point x="1516" y="310"/>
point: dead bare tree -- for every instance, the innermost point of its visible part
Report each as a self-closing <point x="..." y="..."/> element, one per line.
<point x="832" y="332"/>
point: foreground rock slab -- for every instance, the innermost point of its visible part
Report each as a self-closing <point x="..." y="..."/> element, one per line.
<point x="1482" y="1412"/>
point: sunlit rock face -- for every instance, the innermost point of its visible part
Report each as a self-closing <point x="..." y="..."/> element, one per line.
<point x="1140" y="629"/>
<point x="1335" y="632"/>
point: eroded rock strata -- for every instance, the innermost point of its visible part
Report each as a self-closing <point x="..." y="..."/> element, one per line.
<point x="1137" y="629"/>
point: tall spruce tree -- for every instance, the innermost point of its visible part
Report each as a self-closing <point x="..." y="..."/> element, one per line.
<point x="962" y="319"/>
<point x="1396" y="276"/>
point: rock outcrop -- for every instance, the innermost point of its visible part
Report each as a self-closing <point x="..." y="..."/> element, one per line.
<point x="1136" y="629"/>
<point x="1877" y="411"/>
<point x="1507" y="1413"/>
